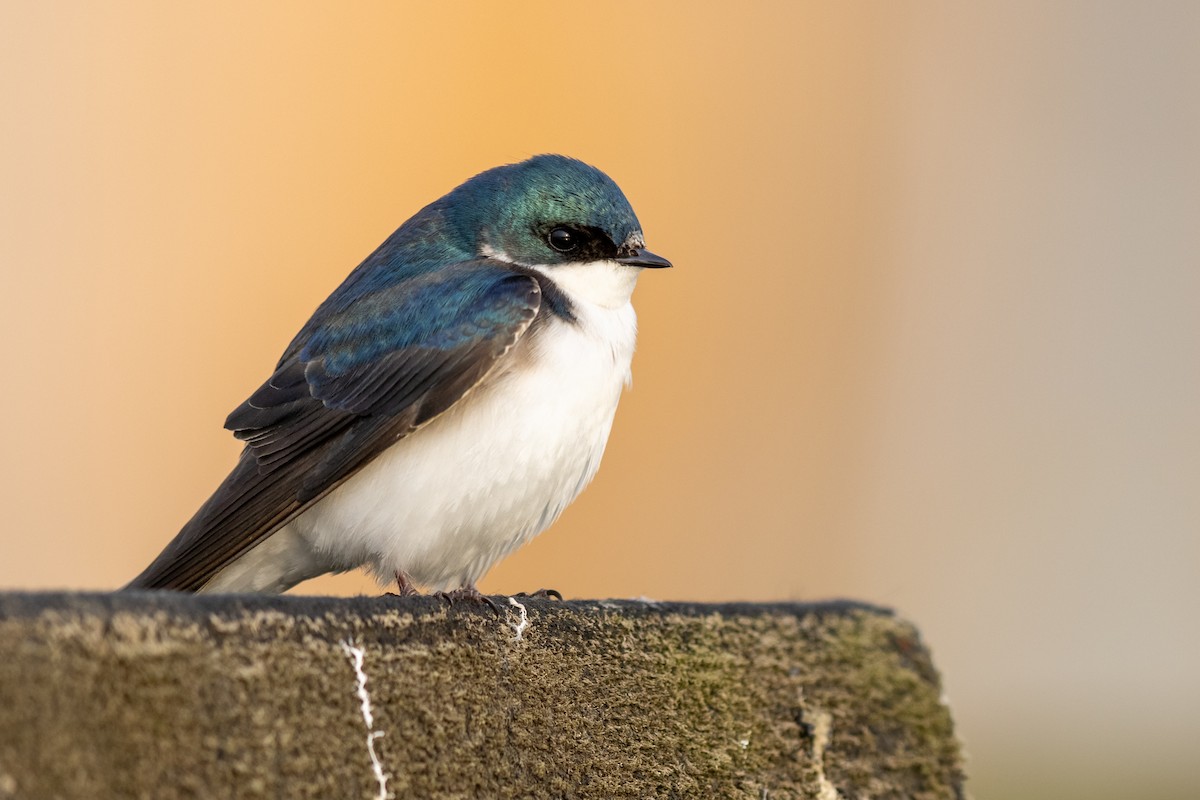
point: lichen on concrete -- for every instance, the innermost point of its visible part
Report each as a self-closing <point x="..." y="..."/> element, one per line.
<point x="165" y="696"/>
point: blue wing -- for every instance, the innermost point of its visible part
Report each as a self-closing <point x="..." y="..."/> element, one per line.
<point x="357" y="379"/>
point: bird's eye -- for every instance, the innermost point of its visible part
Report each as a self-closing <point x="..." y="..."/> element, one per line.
<point x="564" y="240"/>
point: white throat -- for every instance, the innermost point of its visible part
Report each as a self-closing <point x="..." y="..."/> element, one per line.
<point x="607" y="284"/>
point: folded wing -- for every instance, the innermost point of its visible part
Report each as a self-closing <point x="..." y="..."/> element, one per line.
<point x="364" y="377"/>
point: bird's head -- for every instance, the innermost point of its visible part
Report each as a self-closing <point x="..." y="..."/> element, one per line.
<point x="549" y="211"/>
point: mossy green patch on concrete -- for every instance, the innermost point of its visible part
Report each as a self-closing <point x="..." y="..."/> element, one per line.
<point x="166" y="696"/>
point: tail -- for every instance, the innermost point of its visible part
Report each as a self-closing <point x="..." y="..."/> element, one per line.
<point x="246" y="508"/>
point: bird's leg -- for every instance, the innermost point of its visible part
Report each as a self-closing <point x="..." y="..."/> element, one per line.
<point x="404" y="586"/>
<point x="543" y="594"/>
<point x="468" y="594"/>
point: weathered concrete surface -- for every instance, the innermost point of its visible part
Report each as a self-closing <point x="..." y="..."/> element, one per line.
<point x="169" y="696"/>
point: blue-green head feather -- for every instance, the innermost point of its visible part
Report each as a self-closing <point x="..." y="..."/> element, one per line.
<point x="511" y="211"/>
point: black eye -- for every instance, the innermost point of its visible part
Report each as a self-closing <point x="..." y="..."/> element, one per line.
<point x="564" y="240"/>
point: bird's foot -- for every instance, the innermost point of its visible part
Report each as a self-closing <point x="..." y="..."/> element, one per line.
<point x="404" y="587"/>
<point x="543" y="594"/>
<point x="468" y="594"/>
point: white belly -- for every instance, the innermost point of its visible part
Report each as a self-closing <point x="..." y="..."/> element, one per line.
<point x="446" y="503"/>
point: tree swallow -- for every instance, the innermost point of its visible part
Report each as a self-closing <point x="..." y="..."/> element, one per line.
<point x="444" y="405"/>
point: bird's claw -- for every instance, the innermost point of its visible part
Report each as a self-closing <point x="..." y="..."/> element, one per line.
<point x="543" y="594"/>
<point x="471" y="595"/>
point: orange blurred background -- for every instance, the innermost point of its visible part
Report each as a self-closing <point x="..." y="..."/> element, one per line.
<point x="933" y="339"/>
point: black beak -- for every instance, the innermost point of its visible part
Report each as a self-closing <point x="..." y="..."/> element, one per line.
<point x="641" y="257"/>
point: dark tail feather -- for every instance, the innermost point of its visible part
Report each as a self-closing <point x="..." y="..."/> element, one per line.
<point x="246" y="509"/>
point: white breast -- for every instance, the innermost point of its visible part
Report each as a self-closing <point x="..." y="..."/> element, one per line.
<point x="450" y="500"/>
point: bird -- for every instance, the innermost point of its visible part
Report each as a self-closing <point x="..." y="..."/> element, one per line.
<point x="443" y="405"/>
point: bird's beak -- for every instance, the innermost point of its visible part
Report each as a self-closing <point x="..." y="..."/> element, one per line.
<point x="641" y="257"/>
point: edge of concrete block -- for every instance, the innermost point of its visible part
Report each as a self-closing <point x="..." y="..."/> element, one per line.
<point x="168" y="695"/>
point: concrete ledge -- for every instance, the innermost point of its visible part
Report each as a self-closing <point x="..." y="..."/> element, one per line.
<point x="159" y="695"/>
